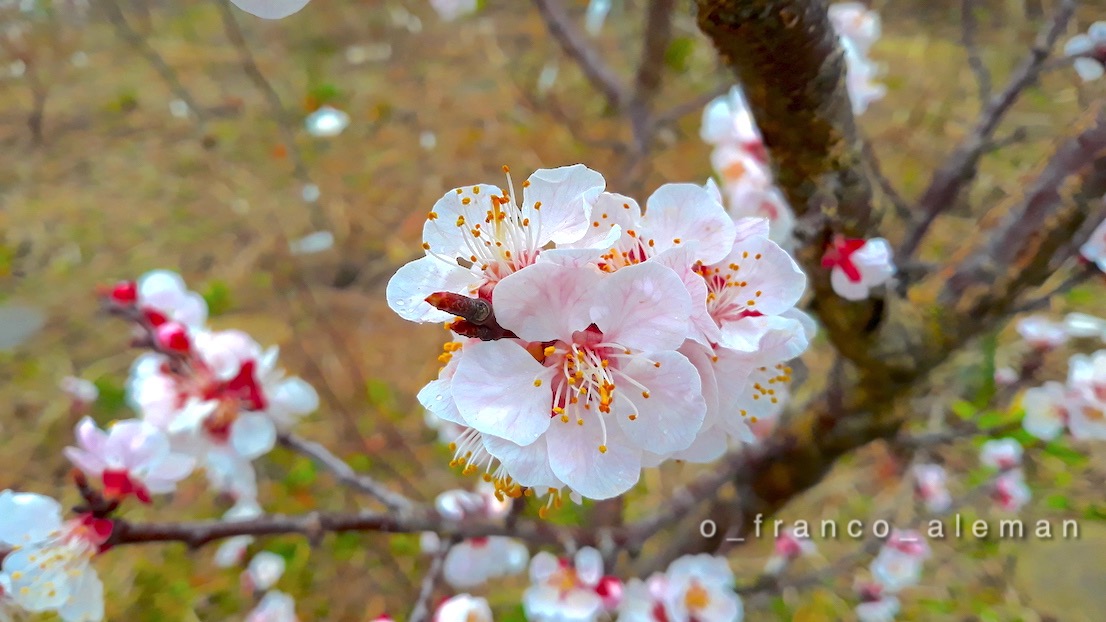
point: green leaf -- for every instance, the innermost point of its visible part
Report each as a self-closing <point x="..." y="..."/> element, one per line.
<point x="987" y="380"/>
<point x="678" y="54"/>
<point x="1058" y="502"/>
<point x="112" y="399"/>
<point x="963" y="409"/>
<point x="302" y="474"/>
<point x="217" y="297"/>
<point x="1068" y="455"/>
<point x="1096" y="512"/>
<point x="325" y="93"/>
<point x="933" y="605"/>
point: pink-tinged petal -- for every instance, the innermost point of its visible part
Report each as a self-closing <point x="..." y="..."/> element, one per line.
<point x="90" y="437"/>
<point x="545" y="301"/>
<point x="543" y="566"/>
<point x="612" y="215"/>
<point x="708" y="446"/>
<point x="227" y="471"/>
<point x="702" y="327"/>
<point x="437" y="395"/>
<point x="410" y="285"/>
<point x="136" y="443"/>
<point x="1079" y="45"/>
<point x="703" y="360"/>
<point x="810" y="326"/>
<point x="528" y="465"/>
<point x="566" y="195"/>
<point x="644" y="307"/>
<point x="27" y="517"/>
<point x="767" y="339"/>
<point x="738" y="380"/>
<point x="681" y="213"/>
<point x="253" y="435"/>
<point x="38" y="587"/>
<point x="500" y="389"/>
<point x="163" y="477"/>
<point x="571" y="257"/>
<point x="270" y="9"/>
<point x="576" y="459"/>
<point x="89" y="463"/>
<point x="291" y="399"/>
<point x="588" y="564"/>
<point x="751" y="227"/>
<point x="672" y="414"/>
<point x="715" y="192"/>
<point x="772" y="278"/>
<point x="846" y="288"/>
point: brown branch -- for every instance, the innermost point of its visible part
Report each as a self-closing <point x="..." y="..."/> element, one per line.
<point x="968" y="27"/>
<point x="422" y="608"/>
<point x="345" y="473"/>
<point x="576" y="46"/>
<point x="960" y="167"/>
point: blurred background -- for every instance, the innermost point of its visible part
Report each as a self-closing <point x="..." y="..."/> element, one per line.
<point x="139" y="134"/>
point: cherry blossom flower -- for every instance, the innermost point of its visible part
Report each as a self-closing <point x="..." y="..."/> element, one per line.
<point x="1006" y="376"/>
<point x="464" y="608"/>
<point x="8" y="608"/>
<point x="81" y="391"/>
<point x="1047" y="409"/>
<point x="475" y="561"/>
<point x="599" y="380"/>
<point x="275" y="606"/>
<point x="131" y="458"/>
<point x="222" y="399"/>
<point x="858" y="265"/>
<point x="727" y="120"/>
<point x="859" y="29"/>
<point x="1082" y="325"/>
<point x="899" y="562"/>
<point x="1092" y="48"/>
<point x="1041" y="332"/>
<point x="789" y="546"/>
<point x="271" y="9"/>
<point x="161" y="296"/>
<point x="1094" y="249"/>
<point x="855" y="22"/>
<point x="564" y="591"/>
<point x="883" y="609"/>
<point x="264" y="570"/>
<point x="48" y="568"/>
<point x="1010" y="492"/>
<point x="694" y="588"/>
<point x="450" y="10"/>
<point x="931" y="484"/>
<point x="749" y="190"/>
<point x="1002" y="454"/>
<point x="476" y="236"/>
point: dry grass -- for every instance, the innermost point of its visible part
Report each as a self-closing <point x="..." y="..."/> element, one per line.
<point x="119" y="187"/>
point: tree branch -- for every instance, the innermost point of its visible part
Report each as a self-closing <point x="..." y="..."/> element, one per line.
<point x="576" y="46"/>
<point x="960" y="167"/>
<point x="345" y="473"/>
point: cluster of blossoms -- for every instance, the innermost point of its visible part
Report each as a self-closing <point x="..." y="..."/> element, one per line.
<point x="210" y="399"/>
<point x="591" y="338"/>
<point x="1089" y="51"/>
<point x="1008" y="489"/>
<point x="693" y="587"/>
<point x="789" y="546"/>
<point x="1078" y="405"/>
<point x="262" y="573"/>
<point x="858" y="28"/>
<point x="897" y="566"/>
<point x="475" y="561"/>
<point x="278" y="9"/>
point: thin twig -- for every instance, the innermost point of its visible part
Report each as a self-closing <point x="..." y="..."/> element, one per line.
<point x="421" y="610"/>
<point x="679" y="111"/>
<point x="577" y="47"/>
<point x="968" y="27"/>
<point x="901" y="205"/>
<point x="1083" y="272"/>
<point x="960" y="166"/>
<point x="345" y="473"/>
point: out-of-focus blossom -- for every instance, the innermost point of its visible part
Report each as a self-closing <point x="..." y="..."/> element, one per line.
<point x="858" y="28"/>
<point x="1041" y="332"/>
<point x="450" y="10"/>
<point x="564" y="590"/>
<point x="1002" y="454"/>
<point x="275" y="606"/>
<point x="264" y="570"/>
<point x="464" y="608"/>
<point x="931" y="484"/>
<point x="232" y="551"/>
<point x="883" y="609"/>
<point x="271" y="9"/>
<point x="857" y="23"/>
<point x="899" y="562"/>
<point x="81" y="391"/>
<point x="131" y="458"/>
<point x="161" y="297"/>
<point x="857" y="266"/>
<point x="312" y="243"/>
<point x="48" y="568"/>
<point x="1094" y="249"/>
<point x="694" y="588"/>
<point x="727" y="120"/>
<point x="1006" y="376"/>
<point x="1047" y="409"/>
<point x="1091" y="48"/>
<point x="789" y="547"/>
<point x="326" y="122"/>
<point x="1082" y="325"/>
<point x="475" y="561"/>
<point x="1010" y="492"/>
